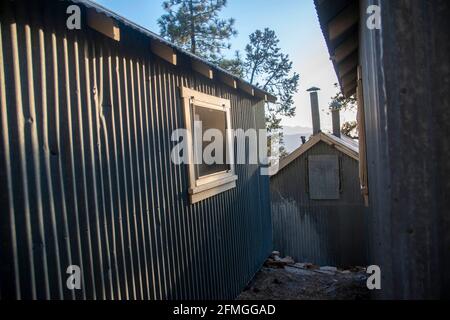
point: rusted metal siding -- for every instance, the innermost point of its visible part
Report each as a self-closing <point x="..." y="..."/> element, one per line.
<point x="325" y="232"/>
<point x="86" y="176"/>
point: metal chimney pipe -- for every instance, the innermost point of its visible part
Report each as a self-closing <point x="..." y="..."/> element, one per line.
<point x="315" y="109"/>
<point x="335" y="108"/>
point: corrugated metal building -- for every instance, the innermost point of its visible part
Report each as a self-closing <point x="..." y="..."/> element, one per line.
<point x="317" y="208"/>
<point x="394" y="56"/>
<point x="85" y="171"/>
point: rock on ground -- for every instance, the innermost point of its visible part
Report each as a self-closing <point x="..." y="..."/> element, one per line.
<point x="304" y="282"/>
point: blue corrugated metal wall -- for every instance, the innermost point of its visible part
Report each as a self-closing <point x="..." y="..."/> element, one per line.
<point x="86" y="176"/>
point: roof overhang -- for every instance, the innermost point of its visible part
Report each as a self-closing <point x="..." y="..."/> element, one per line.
<point x="109" y="24"/>
<point x="339" y="20"/>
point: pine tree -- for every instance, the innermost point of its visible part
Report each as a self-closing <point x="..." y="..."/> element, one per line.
<point x="195" y="25"/>
<point x="271" y="70"/>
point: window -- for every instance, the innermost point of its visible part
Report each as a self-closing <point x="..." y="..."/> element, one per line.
<point x="363" y="175"/>
<point x="324" y="180"/>
<point x="202" y="113"/>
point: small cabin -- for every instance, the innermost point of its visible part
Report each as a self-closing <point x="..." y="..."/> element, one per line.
<point x="317" y="206"/>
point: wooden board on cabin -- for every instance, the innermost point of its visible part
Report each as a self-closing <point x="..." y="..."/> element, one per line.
<point x="323" y="171"/>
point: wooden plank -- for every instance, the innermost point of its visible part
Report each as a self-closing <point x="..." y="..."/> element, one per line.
<point x="214" y="184"/>
<point x="343" y="21"/>
<point x="323" y="173"/>
<point x="202" y="68"/>
<point x="363" y="173"/>
<point x="228" y="80"/>
<point x="349" y="91"/>
<point x="265" y="96"/>
<point x="103" y="24"/>
<point x="211" y="192"/>
<point x="164" y="52"/>
<point x="261" y="94"/>
<point x="271" y="98"/>
<point x="246" y="88"/>
<point x="349" y="79"/>
<point x="348" y="65"/>
<point x="346" y="48"/>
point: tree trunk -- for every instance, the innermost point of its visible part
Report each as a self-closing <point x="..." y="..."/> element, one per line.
<point x="191" y="11"/>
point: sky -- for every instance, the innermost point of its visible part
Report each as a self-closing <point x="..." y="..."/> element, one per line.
<point x="296" y="25"/>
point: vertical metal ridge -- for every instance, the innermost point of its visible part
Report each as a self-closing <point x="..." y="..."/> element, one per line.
<point x="181" y="277"/>
<point x="75" y="256"/>
<point x="152" y="180"/>
<point x="134" y="67"/>
<point x="147" y="159"/>
<point x="141" y="160"/>
<point x="174" y="189"/>
<point x="85" y="219"/>
<point x="7" y="155"/>
<point x="67" y="152"/>
<point x="165" y="139"/>
<point x="129" y="251"/>
<point x="162" y="208"/>
<point x="55" y="152"/>
<point x="90" y="92"/>
<point x="22" y="154"/>
<point x="165" y="172"/>
<point x="97" y="63"/>
<point x="105" y="107"/>
<point x="35" y="156"/>
<point x="59" y="154"/>
<point x="114" y="175"/>
<point x="135" y="207"/>
<point x="129" y="172"/>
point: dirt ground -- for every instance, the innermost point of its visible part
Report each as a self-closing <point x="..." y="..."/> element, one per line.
<point x="306" y="282"/>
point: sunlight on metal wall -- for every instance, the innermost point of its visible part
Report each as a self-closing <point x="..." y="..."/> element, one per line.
<point x="86" y="176"/>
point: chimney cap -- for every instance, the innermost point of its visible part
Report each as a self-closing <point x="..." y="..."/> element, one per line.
<point x="313" y="89"/>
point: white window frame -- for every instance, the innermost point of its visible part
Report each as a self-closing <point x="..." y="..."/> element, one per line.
<point x="201" y="188"/>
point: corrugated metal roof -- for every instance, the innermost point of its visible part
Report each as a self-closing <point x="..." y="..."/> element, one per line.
<point x="153" y="36"/>
<point x="345" y="141"/>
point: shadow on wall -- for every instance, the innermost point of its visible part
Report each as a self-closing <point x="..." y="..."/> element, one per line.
<point x="323" y="235"/>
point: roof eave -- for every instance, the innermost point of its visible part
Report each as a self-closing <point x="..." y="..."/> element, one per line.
<point x="168" y="52"/>
<point x="315" y="139"/>
<point x="339" y="21"/>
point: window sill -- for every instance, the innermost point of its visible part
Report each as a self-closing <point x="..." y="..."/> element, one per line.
<point x="212" y="189"/>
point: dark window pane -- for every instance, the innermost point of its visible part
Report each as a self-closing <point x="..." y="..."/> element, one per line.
<point x="212" y="119"/>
